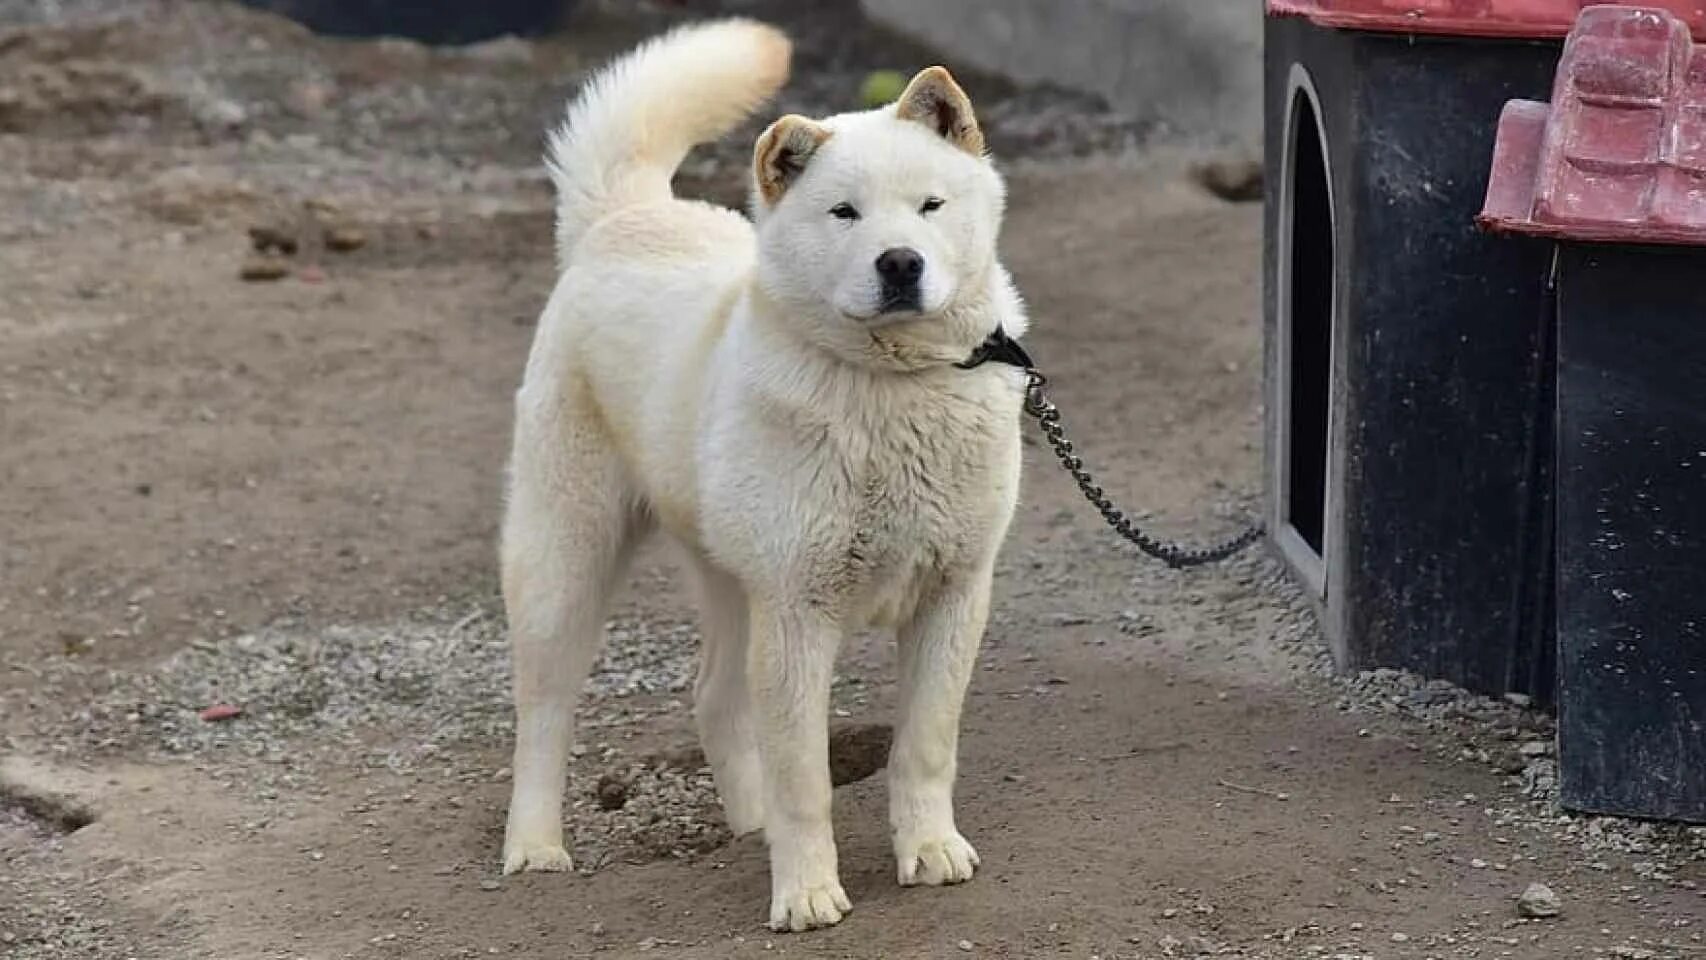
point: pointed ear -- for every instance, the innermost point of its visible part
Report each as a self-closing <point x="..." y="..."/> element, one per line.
<point x="935" y="100"/>
<point x="782" y="153"/>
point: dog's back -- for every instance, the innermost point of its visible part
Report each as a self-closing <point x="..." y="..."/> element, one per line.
<point x="647" y="279"/>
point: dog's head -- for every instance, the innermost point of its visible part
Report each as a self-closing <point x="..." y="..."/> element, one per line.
<point x="880" y="227"/>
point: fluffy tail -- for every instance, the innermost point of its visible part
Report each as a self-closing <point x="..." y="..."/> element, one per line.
<point x="634" y="122"/>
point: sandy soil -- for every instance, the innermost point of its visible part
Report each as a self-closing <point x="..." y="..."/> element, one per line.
<point x="283" y="495"/>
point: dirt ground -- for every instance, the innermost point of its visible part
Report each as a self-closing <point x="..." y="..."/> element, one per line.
<point x="283" y="496"/>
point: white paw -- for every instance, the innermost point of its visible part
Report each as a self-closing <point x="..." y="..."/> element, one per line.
<point x="546" y="857"/>
<point x="943" y="858"/>
<point x="808" y="907"/>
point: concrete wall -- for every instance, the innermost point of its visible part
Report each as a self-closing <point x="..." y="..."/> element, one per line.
<point x="1194" y="65"/>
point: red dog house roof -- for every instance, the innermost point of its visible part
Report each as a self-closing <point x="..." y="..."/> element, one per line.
<point x="1536" y="19"/>
<point x="1620" y="153"/>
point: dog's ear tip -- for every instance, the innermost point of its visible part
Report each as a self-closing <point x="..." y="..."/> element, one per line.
<point x="782" y="152"/>
<point x="936" y="100"/>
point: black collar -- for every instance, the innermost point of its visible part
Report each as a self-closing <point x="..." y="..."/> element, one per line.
<point x="1001" y="348"/>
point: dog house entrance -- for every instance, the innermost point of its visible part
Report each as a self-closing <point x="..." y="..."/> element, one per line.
<point x="1306" y="336"/>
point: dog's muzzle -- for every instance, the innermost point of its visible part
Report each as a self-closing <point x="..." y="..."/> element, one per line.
<point x="900" y="269"/>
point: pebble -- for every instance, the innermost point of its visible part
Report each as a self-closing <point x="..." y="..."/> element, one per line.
<point x="508" y="50"/>
<point x="490" y="885"/>
<point x="220" y="114"/>
<point x="345" y="239"/>
<point x="1400" y="938"/>
<point x="1538" y="901"/>
<point x="263" y="267"/>
<point x="965" y="945"/>
<point x="272" y="238"/>
<point x="220" y="712"/>
<point x="1233" y="180"/>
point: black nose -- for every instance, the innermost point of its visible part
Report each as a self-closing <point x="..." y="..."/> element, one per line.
<point x="900" y="266"/>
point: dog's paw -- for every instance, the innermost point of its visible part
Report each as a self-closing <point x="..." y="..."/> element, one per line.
<point x="935" y="860"/>
<point x="544" y="857"/>
<point x="808" y="907"/>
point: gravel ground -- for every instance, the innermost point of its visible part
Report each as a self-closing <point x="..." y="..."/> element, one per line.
<point x="365" y="775"/>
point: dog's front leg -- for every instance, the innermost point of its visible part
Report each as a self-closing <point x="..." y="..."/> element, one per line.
<point x="789" y="665"/>
<point x="937" y="651"/>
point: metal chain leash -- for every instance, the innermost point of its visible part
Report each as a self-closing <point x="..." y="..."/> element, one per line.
<point x="1174" y="555"/>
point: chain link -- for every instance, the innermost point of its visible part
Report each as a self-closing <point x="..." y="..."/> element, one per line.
<point x="1174" y="555"/>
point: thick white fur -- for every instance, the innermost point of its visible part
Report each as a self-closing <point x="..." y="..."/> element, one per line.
<point x="824" y="467"/>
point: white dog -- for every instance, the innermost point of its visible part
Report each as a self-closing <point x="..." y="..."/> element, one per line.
<point x="783" y="400"/>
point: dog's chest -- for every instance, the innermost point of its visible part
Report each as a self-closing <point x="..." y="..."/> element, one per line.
<point x="920" y="498"/>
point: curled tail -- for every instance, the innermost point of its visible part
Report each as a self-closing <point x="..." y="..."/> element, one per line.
<point x="634" y="122"/>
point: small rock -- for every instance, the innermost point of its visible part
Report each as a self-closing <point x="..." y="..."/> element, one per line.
<point x="1535" y="748"/>
<point x="345" y="239"/>
<point x="321" y="208"/>
<point x="1521" y="700"/>
<point x="1400" y="938"/>
<point x="219" y="114"/>
<point x="965" y="945"/>
<point x="508" y="50"/>
<point x="308" y="98"/>
<point x="264" y="267"/>
<point x="270" y="238"/>
<point x="220" y="712"/>
<point x="1236" y="181"/>
<point x="490" y="885"/>
<point x="1538" y="901"/>
<point x="612" y="793"/>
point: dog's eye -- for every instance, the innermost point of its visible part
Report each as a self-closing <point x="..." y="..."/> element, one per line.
<point x="932" y="205"/>
<point x="844" y="211"/>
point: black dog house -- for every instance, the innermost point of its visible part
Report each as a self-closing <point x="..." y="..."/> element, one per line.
<point x="1402" y="368"/>
<point x="1614" y="171"/>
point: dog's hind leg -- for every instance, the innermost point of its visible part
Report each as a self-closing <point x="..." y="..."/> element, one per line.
<point x="722" y="703"/>
<point x="568" y="532"/>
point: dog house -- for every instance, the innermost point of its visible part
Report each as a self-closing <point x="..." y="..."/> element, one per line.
<point x="1405" y="489"/>
<point x="1613" y="172"/>
<point x="1408" y="367"/>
